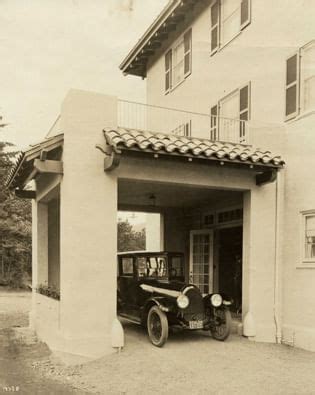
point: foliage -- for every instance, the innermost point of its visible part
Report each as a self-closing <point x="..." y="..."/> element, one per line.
<point x="51" y="292"/>
<point x="15" y="226"/>
<point x="129" y="239"/>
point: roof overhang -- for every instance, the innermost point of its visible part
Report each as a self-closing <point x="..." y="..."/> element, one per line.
<point x="43" y="157"/>
<point x="175" y="12"/>
<point x="123" y="141"/>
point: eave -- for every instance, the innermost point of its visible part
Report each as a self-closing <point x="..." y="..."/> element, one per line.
<point x="135" y="62"/>
<point x="38" y="158"/>
<point x="130" y="142"/>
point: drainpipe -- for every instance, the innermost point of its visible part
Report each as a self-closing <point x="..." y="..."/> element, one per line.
<point x="278" y="261"/>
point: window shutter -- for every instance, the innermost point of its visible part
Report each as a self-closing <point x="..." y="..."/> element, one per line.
<point x="292" y="86"/>
<point x="215" y="28"/>
<point x="244" y="111"/>
<point x="245" y="13"/>
<point x="187" y="132"/>
<point x="187" y="53"/>
<point x="168" y="71"/>
<point x="214" y="123"/>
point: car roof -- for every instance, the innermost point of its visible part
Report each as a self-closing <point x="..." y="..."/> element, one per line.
<point x="148" y="253"/>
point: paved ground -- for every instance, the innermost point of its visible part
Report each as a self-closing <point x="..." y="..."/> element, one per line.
<point x="16" y="358"/>
<point x="188" y="364"/>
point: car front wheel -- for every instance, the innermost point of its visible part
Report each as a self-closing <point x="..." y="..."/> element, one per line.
<point x="157" y="325"/>
<point x="221" y="328"/>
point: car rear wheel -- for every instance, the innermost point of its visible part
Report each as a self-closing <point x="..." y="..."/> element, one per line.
<point x="222" y="324"/>
<point x="157" y="325"/>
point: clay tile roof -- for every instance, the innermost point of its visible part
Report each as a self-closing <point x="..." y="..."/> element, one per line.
<point x="25" y="159"/>
<point x="130" y="139"/>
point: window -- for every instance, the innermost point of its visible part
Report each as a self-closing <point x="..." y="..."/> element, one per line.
<point x="308" y="237"/>
<point x="208" y="220"/>
<point x="168" y="70"/>
<point x="176" y="267"/>
<point x="152" y="267"/>
<point x="300" y="81"/>
<point x="228" y="18"/>
<point x="230" y="216"/>
<point x="229" y="117"/>
<point x="178" y="62"/>
<point x="183" y="130"/>
<point x="127" y="266"/>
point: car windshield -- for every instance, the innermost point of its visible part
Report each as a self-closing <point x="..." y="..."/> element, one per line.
<point x="154" y="266"/>
<point x="160" y="267"/>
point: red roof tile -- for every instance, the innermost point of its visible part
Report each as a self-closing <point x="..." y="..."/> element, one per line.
<point x="131" y="139"/>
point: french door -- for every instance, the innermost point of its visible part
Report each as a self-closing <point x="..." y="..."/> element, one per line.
<point x="201" y="260"/>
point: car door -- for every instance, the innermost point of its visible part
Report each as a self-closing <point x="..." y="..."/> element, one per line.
<point x="126" y="285"/>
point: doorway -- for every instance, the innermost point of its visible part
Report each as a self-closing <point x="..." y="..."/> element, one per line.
<point x="201" y="260"/>
<point x="230" y="265"/>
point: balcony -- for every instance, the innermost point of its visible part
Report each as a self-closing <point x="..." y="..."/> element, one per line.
<point x="183" y="123"/>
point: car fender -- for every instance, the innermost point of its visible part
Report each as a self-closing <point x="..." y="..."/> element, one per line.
<point x="162" y="302"/>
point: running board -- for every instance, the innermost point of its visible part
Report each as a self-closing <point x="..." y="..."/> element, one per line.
<point x="128" y="318"/>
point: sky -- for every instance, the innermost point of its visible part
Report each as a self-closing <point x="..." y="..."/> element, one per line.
<point x="50" y="46"/>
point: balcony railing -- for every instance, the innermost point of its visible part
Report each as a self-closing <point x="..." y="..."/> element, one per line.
<point x="186" y="123"/>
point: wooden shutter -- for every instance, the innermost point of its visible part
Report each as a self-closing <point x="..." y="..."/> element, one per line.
<point x="214" y="123"/>
<point x="292" y="86"/>
<point x="187" y="131"/>
<point x="215" y="27"/>
<point x="245" y="13"/>
<point x="244" y="112"/>
<point x="168" y="71"/>
<point x="187" y="53"/>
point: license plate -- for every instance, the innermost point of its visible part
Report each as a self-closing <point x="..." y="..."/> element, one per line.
<point x="195" y="324"/>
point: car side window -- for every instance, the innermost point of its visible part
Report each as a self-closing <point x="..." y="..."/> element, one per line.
<point x="127" y="266"/>
<point x="176" y="267"/>
<point x="142" y="267"/>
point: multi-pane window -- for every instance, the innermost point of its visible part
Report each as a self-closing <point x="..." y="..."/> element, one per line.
<point x="178" y="62"/>
<point x="228" y="18"/>
<point x="201" y="261"/>
<point x="229" y="117"/>
<point x="183" y="129"/>
<point x="308" y="236"/>
<point x="300" y="81"/>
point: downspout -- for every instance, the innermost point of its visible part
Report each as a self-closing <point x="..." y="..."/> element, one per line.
<point x="278" y="261"/>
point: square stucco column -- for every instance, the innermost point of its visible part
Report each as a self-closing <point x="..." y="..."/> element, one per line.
<point x="88" y="226"/>
<point x="39" y="252"/>
<point x="259" y="256"/>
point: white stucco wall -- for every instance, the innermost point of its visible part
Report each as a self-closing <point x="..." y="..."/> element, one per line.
<point x="298" y="281"/>
<point x="258" y="55"/>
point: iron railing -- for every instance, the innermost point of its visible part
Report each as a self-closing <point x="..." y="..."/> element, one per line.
<point x="154" y="118"/>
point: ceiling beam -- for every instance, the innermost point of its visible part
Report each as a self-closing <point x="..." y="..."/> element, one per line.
<point x="48" y="166"/>
<point x="25" y="194"/>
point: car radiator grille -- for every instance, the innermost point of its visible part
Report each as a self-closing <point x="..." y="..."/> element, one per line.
<point x="195" y="310"/>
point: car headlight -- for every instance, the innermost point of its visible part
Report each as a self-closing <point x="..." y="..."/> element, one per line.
<point x="216" y="300"/>
<point x="182" y="301"/>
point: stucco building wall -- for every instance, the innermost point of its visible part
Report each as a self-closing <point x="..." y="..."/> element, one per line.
<point x="258" y="55"/>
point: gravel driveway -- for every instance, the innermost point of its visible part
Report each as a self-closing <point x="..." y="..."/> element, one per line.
<point x="190" y="363"/>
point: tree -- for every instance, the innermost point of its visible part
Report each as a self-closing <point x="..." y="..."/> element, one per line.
<point x="15" y="225"/>
<point x="129" y="239"/>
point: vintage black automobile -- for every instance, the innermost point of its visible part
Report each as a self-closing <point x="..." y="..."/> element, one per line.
<point x="152" y="292"/>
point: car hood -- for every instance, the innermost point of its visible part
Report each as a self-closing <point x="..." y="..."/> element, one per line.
<point x="167" y="288"/>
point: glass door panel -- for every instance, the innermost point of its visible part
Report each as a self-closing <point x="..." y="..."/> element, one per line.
<point x="201" y="264"/>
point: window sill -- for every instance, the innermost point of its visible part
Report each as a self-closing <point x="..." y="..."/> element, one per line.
<point x="300" y="116"/>
<point x="178" y="84"/>
<point x="222" y="46"/>
<point x="306" y="265"/>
